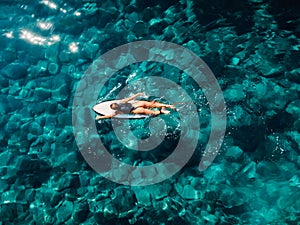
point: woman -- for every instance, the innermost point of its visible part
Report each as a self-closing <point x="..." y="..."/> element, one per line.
<point x="137" y="107"/>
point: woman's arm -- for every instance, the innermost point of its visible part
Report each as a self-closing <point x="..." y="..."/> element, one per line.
<point x="125" y="100"/>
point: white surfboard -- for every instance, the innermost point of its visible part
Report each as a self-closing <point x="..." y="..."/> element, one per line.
<point x="103" y="108"/>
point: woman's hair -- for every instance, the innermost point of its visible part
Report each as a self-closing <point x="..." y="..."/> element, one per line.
<point x="115" y="106"/>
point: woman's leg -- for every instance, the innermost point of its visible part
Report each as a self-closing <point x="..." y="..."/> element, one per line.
<point x="152" y="104"/>
<point x="141" y="110"/>
<point x="144" y="111"/>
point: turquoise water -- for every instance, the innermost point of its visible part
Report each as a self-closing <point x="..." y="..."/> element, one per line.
<point x="48" y="48"/>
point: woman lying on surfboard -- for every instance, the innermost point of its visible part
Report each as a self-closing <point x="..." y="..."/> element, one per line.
<point x="137" y="107"/>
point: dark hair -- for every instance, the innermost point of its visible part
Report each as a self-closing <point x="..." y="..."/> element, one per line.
<point x="114" y="106"/>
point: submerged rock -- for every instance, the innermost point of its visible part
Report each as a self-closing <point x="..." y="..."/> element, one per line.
<point x="53" y="68"/>
<point x="68" y="181"/>
<point x="41" y="214"/>
<point x="52" y="52"/>
<point x="232" y="198"/>
<point x="5" y="158"/>
<point x="140" y="28"/>
<point x="105" y="211"/>
<point x="41" y="94"/>
<point x="294" y="75"/>
<point x="50" y="196"/>
<point x="80" y="212"/>
<point x="65" y="56"/>
<point x="295" y="181"/>
<point x="4" y="106"/>
<point x="249" y="172"/>
<point x="64" y="211"/>
<point x="11" y="211"/>
<point x="60" y="92"/>
<point x="189" y="192"/>
<point x="293" y="108"/>
<point x="143" y="196"/>
<point x="235" y="93"/>
<point x="15" y="70"/>
<point x="90" y="50"/>
<point x="233" y="153"/>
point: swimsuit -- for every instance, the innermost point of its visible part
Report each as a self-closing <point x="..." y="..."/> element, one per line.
<point x="126" y="108"/>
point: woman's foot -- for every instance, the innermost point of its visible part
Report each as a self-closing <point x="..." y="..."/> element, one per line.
<point x="164" y="111"/>
<point x="171" y="106"/>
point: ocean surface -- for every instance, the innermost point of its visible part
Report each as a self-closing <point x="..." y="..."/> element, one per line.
<point x="229" y="153"/>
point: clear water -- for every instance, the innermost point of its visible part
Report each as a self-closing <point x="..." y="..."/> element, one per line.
<point x="48" y="64"/>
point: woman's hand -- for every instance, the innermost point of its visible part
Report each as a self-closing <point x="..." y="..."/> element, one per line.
<point x="141" y="94"/>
